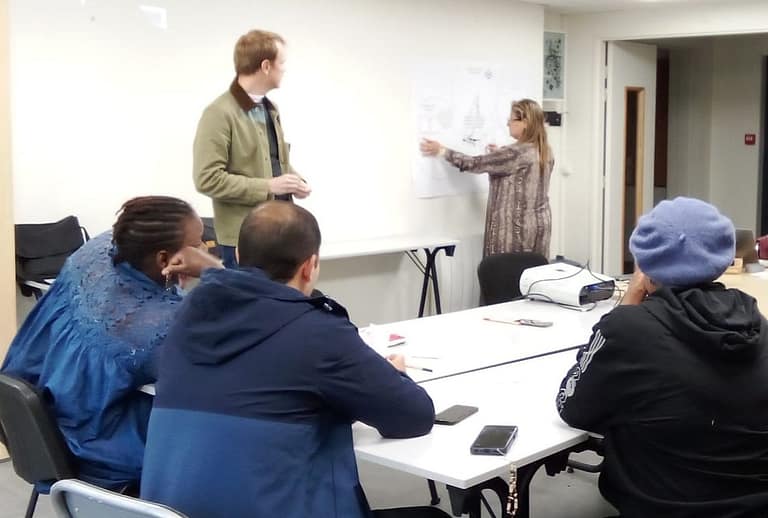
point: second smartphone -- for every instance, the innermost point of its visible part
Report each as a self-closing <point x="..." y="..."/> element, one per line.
<point x="454" y="414"/>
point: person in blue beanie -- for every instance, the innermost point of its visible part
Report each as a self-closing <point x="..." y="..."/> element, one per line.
<point x="259" y="383"/>
<point x="676" y="378"/>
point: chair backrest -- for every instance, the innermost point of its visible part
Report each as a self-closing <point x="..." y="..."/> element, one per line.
<point x="78" y="499"/>
<point x="33" y="439"/>
<point x="42" y="248"/>
<point x="499" y="275"/>
<point x="209" y="236"/>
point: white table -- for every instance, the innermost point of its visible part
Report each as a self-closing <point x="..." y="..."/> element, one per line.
<point x="460" y="342"/>
<point x="521" y="394"/>
<point x="397" y="244"/>
<point x="384" y="245"/>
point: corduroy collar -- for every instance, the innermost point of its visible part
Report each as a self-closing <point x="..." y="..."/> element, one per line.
<point x="244" y="100"/>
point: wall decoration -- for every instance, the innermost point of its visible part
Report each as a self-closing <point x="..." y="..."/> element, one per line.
<point x="554" y="65"/>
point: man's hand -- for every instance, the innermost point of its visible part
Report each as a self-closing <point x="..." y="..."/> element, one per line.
<point x="190" y="262"/>
<point x="636" y="291"/>
<point x="490" y="148"/>
<point x="289" y="184"/>
<point x="303" y="194"/>
<point x="397" y="361"/>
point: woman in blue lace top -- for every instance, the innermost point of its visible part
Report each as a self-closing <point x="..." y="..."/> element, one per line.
<point x="89" y="343"/>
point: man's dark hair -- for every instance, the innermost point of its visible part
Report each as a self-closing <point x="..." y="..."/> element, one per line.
<point x="278" y="236"/>
<point x="148" y="224"/>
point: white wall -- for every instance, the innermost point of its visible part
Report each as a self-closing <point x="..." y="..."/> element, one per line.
<point x="715" y="98"/>
<point x="105" y="106"/>
<point x="690" y="121"/>
<point x="736" y="110"/>
<point x="8" y="280"/>
<point x="583" y="71"/>
<point x="553" y="22"/>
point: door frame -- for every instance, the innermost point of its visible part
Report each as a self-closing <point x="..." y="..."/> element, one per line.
<point x="7" y="256"/>
<point x="639" y="162"/>
<point x="600" y="181"/>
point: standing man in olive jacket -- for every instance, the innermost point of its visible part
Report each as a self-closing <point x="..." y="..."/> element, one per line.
<point x="676" y="378"/>
<point x="240" y="156"/>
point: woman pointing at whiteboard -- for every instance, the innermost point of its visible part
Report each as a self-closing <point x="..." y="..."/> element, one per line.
<point x="518" y="217"/>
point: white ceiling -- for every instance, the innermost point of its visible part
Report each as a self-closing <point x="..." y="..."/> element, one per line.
<point x="590" y="6"/>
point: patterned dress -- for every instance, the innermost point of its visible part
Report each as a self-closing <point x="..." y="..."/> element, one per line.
<point x="518" y="217"/>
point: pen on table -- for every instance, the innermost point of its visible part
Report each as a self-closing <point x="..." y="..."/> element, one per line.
<point x="415" y="367"/>
<point x="522" y="322"/>
<point x="501" y="321"/>
<point x="401" y="342"/>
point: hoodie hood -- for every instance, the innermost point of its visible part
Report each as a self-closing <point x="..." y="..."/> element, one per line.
<point x="718" y="321"/>
<point x="234" y="310"/>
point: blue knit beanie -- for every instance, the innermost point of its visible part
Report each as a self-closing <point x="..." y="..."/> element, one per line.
<point x="683" y="242"/>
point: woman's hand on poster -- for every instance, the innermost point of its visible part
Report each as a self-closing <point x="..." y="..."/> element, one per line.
<point x="430" y="147"/>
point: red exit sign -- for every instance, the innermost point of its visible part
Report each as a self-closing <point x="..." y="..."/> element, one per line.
<point x="750" y="139"/>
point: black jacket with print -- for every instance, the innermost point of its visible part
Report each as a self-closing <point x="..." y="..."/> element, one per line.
<point x="678" y="385"/>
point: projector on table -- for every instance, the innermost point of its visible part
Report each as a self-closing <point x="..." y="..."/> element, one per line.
<point x="565" y="283"/>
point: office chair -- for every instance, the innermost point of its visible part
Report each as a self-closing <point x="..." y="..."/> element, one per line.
<point x="209" y="237"/>
<point x="78" y="499"/>
<point x="593" y="444"/>
<point x="41" y="251"/>
<point x="29" y="431"/>
<point x="499" y="275"/>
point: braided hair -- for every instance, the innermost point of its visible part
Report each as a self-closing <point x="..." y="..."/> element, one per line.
<point x="147" y="225"/>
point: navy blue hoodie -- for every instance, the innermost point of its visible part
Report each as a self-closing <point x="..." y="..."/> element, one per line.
<point x="257" y="389"/>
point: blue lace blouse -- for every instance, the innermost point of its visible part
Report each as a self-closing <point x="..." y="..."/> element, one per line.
<point x="89" y="344"/>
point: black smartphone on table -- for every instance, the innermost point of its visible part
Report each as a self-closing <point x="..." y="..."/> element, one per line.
<point x="454" y="414"/>
<point x="494" y="440"/>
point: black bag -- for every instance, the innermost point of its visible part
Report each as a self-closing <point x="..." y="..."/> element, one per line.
<point x="42" y="248"/>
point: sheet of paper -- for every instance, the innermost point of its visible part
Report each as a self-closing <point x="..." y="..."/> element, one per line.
<point x="465" y="108"/>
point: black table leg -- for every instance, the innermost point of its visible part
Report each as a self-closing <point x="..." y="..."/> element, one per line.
<point x="425" y="284"/>
<point x="465" y="501"/>
<point x="430" y="273"/>
<point x="434" y="498"/>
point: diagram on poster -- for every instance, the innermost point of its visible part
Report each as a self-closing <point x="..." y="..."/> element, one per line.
<point x="465" y="109"/>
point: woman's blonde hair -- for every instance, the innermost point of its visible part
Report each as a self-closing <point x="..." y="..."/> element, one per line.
<point x="529" y="111"/>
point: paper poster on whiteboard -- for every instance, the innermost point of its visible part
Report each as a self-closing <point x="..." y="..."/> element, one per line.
<point x="465" y="108"/>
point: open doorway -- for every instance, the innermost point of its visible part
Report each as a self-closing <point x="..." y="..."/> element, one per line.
<point x="661" y="124"/>
<point x="629" y="147"/>
<point x="634" y="149"/>
<point x="710" y="111"/>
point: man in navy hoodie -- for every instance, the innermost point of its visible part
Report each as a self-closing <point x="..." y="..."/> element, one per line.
<point x="259" y="384"/>
<point x="676" y="378"/>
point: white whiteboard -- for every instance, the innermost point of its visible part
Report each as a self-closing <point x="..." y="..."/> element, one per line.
<point x="105" y="100"/>
<point x="465" y="107"/>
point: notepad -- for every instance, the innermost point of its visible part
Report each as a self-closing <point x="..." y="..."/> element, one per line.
<point x="380" y="338"/>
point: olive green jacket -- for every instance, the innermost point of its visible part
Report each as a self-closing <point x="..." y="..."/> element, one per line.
<point x="231" y="162"/>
